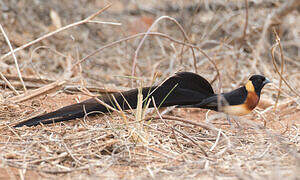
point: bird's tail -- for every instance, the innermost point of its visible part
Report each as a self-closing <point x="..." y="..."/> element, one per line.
<point x="63" y="114"/>
<point x="181" y="89"/>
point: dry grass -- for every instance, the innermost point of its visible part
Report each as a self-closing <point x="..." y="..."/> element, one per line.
<point x="225" y="42"/>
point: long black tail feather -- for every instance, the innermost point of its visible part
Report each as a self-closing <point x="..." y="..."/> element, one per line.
<point x="181" y="89"/>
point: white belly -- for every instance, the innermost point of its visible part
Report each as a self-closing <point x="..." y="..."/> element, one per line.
<point x="237" y="110"/>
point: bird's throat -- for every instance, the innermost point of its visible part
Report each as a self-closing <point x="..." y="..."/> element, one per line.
<point x="249" y="87"/>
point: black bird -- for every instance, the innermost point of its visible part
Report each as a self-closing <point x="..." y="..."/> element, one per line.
<point x="184" y="89"/>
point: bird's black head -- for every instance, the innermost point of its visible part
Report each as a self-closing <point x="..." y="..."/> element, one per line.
<point x="256" y="83"/>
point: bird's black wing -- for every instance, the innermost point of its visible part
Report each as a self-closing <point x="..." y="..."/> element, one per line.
<point x="190" y="81"/>
<point x="235" y="97"/>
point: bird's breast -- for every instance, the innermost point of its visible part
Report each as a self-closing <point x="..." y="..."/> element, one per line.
<point x="251" y="100"/>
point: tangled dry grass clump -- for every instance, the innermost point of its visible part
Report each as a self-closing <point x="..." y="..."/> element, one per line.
<point x="138" y="44"/>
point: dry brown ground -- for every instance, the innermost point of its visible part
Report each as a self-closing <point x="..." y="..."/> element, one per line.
<point x="185" y="143"/>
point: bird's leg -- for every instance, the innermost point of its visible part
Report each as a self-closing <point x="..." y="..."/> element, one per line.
<point x="228" y="119"/>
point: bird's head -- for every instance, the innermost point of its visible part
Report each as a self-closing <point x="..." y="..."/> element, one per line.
<point x="256" y="83"/>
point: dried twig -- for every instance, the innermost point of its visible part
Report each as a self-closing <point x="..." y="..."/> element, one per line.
<point x="191" y="139"/>
<point x="14" y="56"/>
<point x="86" y="20"/>
<point x="246" y="21"/>
<point x="157" y="34"/>
<point x="29" y="79"/>
<point x="36" y="92"/>
<point x="276" y="68"/>
<point x="281" y="70"/>
<point x="145" y="36"/>
<point x="203" y="125"/>
<point x="9" y="84"/>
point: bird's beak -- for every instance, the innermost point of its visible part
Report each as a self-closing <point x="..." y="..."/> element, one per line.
<point x="266" y="81"/>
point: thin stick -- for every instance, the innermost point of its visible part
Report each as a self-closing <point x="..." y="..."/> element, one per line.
<point x="14" y="56"/>
<point x="145" y="36"/>
<point x="172" y="128"/>
<point x="191" y="139"/>
<point x="276" y="68"/>
<point x="109" y="23"/>
<point x="85" y="91"/>
<point x="176" y="140"/>
<point x="281" y="70"/>
<point x="14" y="132"/>
<point x="216" y="142"/>
<point x="29" y="79"/>
<point x="120" y="110"/>
<point x="203" y="125"/>
<point x="154" y="34"/>
<point x="246" y="19"/>
<point x="9" y="85"/>
<point x="36" y="92"/>
<point x="71" y="154"/>
<point x="57" y="31"/>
